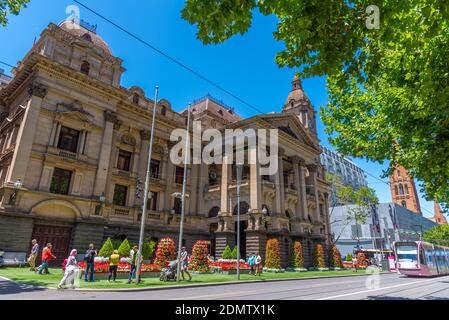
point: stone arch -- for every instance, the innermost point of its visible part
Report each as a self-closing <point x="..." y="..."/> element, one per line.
<point x="213" y="212"/>
<point x="244" y="208"/>
<point x="55" y="208"/>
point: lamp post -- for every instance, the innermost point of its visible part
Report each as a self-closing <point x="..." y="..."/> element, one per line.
<point x="183" y="195"/>
<point x="147" y="189"/>
<point x="239" y="169"/>
<point x="17" y="186"/>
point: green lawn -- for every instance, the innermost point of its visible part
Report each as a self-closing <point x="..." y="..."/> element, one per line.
<point x="23" y="275"/>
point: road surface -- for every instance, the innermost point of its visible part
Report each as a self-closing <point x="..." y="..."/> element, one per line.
<point x="386" y="286"/>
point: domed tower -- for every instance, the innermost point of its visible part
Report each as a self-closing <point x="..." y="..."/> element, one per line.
<point x="299" y="104"/>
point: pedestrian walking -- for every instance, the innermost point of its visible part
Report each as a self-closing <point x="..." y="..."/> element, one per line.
<point x="113" y="265"/>
<point x="71" y="271"/>
<point x="354" y="264"/>
<point x="33" y="255"/>
<point x="258" y="264"/>
<point x="47" y="256"/>
<point x="185" y="263"/>
<point x="251" y="263"/>
<point x="89" y="258"/>
<point x="134" y="256"/>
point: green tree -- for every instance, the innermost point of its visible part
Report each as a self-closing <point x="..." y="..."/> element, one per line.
<point x="234" y="253"/>
<point x="148" y="249"/>
<point x="437" y="235"/>
<point x="124" y="248"/>
<point x="106" y="249"/>
<point x="387" y="83"/>
<point x="11" y="7"/>
<point x="227" y="253"/>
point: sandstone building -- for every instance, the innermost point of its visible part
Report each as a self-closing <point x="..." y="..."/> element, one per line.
<point x="73" y="143"/>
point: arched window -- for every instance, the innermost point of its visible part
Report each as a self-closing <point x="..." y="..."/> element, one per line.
<point x="85" y="68"/>
<point x="401" y="189"/>
<point x="136" y="98"/>
<point x="163" y="111"/>
<point x="404" y="204"/>
<point x="244" y="208"/>
<point x="396" y="190"/>
<point x="399" y="173"/>
<point x="213" y="212"/>
<point x="406" y="189"/>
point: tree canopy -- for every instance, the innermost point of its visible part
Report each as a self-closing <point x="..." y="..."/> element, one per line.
<point x="388" y="84"/>
<point x="438" y="235"/>
<point x="12" y="7"/>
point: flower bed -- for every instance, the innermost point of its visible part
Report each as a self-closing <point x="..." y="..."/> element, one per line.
<point x="228" y="265"/>
<point x="123" y="267"/>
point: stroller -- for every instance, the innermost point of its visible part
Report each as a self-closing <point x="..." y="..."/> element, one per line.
<point x="169" y="273"/>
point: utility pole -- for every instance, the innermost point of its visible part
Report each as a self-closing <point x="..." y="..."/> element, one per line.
<point x="183" y="196"/>
<point x="146" y="192"/>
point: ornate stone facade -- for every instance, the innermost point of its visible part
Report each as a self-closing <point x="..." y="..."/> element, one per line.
<point x="77" y="137"/>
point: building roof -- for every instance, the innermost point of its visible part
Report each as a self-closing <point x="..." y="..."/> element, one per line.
<point x="216" y="107"/>
<point x="81" y="31"/>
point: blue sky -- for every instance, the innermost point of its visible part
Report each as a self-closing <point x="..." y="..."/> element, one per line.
<point x="243" y="65"/>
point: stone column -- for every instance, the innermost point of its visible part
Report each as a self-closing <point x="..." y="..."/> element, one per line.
<point x="193" y="189"/>
<point x="302" y="191"/>
<point x="297" y="182"/>
<point x="169" y="175"/>
<point x="203" y="180"/>
<point x="313" y="170"/>
<point x="255" y="182"/>
<point x="26" y="134"/>
<point x="56" y="137"/>
<point x="279" y="181"/>
<point x="225" y="178"/>
<point x="105" y="153"/>
<point x="143" y="156"/>
<point x="81" y="142"/>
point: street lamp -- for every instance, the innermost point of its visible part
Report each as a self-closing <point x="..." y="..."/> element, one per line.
<point x="147" y="190"/>
<point x="98" y="207"/>
<point x="17" y="186"/>
<point x="183" y="195"/>
<point x="239" y="169"/>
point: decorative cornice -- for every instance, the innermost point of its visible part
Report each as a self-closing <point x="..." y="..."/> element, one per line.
<point x="37" y="90"/>
<point x="110" y="116"/>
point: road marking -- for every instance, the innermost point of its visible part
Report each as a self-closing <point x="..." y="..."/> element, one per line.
<point x="217" y="295"/>
<point x="372" y="290"/>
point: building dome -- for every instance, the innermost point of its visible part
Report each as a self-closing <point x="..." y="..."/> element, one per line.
<point x="80" y="31"/>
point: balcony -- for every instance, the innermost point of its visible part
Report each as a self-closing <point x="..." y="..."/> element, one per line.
<point x="66" y="154"/>
<point x="121" y="211"/>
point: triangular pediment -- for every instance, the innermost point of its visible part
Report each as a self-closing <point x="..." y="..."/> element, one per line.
<point x="75" y="111"/>
<point x="291" y="126"/>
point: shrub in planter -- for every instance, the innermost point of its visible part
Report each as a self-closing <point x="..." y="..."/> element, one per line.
<point x="227" y="253"/>
<point x="198" y="260"/>
<point x="296" y="256"/>
<point x="148" y="249"/>
<point x="335" y="257"/>
<point x="107" y="249"/>
<point x="234" y="253"/>
<point x="165" y="251"/>
<point x="349" y="257"/>
<point x="124" y="249"/>
<point x="273" y="254"/>
<point x="318" y="257"/>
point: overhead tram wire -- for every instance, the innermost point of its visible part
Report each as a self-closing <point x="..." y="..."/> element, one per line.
<point x="179" y="63"/>
<point x="6" y="64"/>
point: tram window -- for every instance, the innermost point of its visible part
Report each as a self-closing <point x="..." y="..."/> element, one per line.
<point x="422" y="257"/>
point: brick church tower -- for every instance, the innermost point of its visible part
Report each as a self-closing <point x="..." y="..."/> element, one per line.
<point x="403" y="190"/>
<point x="438" y="215"/>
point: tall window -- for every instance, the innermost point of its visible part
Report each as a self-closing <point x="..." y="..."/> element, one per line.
<point x="120" y="193"/>
<point x="85" y="68"/>
<point x="178" y="205"/>
<point x="136" y="98"/>
<point x="406" y="189"/>
<point x="68" y="139"/>
<point x="401" y="189"/>
<point x="163" y="111"/>
<point x="60" y="182"/>
<point x="124" y="160"/>
<point x="179" y="175"/>
<point x="404" y="204"/>
<point x="152" y="202"/>
<point x="154" y="168"/>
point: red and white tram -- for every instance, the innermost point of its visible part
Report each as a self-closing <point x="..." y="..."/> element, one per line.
<point x="421" y="259"/>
